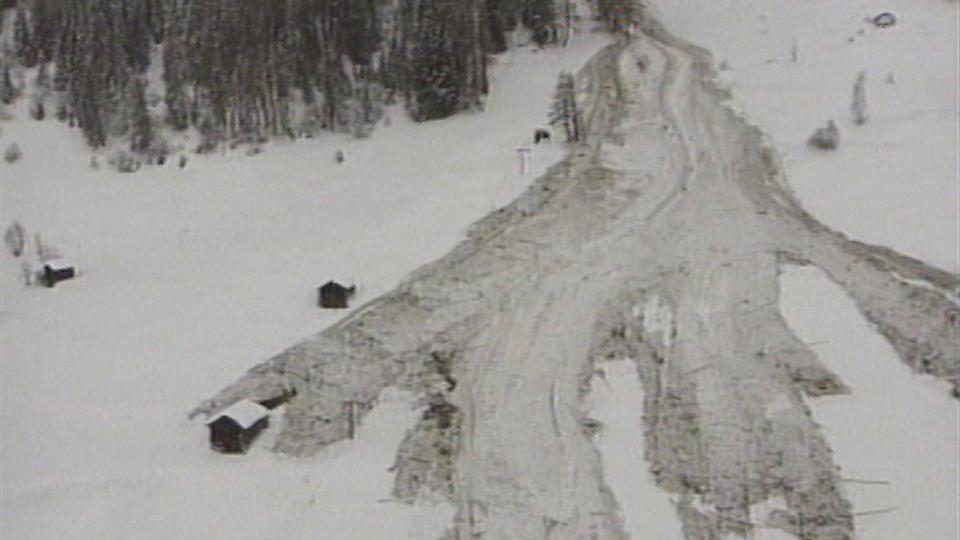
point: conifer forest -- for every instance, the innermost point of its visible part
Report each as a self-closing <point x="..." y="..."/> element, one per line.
<point x="244" y="71"/>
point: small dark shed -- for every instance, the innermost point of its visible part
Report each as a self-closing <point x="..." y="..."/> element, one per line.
<point x="57" y="270"/>
<point x="334" y="295"/>
<point x="234" y="429"/>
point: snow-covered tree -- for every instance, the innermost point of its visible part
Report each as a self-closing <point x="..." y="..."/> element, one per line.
<point x="141" y="128"/>
<point x="539" y="16"/>
<point x="8" y="91"/>
<point x="15" y="238"/>
<point x="859" y="104"/>
<point x="564" y="112"/>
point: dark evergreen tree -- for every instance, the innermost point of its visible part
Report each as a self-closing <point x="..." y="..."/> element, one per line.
<point x="564" y="112"/>
<point x="141" y="127"/>
<point x="8" y="92"/>
<point x="24" y="40"/>
<point x="436" y="74"/>
<point x="539" y="16"/>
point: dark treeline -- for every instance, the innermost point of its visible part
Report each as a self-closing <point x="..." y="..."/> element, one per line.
<point x="248" y="69"/>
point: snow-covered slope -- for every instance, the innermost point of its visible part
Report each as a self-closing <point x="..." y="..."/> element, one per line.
<point x="896" y="436"/>
<point x="894" y="180"/>
<point x="191" y="276"/>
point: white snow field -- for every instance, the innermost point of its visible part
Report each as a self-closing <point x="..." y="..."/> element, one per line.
<point x="894" y="180"/>
<point x="616" y="400"/>
<point x="897" y="436"/>
<point x="191" y="276"/>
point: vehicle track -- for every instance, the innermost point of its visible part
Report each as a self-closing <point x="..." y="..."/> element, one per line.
<point x="673" y="202"/>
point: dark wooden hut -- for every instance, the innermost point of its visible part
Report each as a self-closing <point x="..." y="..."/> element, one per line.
<point x="234" y="429"/>
<point x="57" y="270"/>
<point x="333" y="295"/>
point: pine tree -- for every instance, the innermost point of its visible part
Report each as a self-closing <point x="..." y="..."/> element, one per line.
<point x="564" y="112"/>
<point x="539" y="16"/>
<point x="436" y="73"/>
<point x="141" y="128"/>
<point x="23" y="38"/>
<point x="8" y="92"/>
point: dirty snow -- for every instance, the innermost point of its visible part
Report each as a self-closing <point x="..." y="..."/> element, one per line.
<point x="893" y="181"/>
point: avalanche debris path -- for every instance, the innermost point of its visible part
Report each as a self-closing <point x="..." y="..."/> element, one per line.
<point x="658" y="239"/>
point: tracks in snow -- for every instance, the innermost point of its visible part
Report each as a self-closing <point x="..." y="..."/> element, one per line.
<point x="675" y="202"/>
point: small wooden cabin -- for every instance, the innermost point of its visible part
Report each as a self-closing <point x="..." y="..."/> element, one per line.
<point x="234" y="429"/>
<point x="57" y="270"/>
<point x="333" y="295"/>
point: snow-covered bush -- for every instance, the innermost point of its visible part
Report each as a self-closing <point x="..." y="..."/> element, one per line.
<point x="826" y="138"/>
<point x="13" y="153"/>
<point x="37" y="109"/>
<point x="124" y="161"/>
<point x="15" y="238"/>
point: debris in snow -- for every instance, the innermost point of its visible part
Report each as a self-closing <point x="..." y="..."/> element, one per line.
<point x="826" y="138"/>
<point x="339" y="156"/>
<point x="884" y="20"/>
<point x="13" y="153"/>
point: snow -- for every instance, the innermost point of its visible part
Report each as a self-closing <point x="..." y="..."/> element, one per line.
<point x="616" y="400"/>
<point x="895" y="428"/>
<point x="894" y="180"/>
<point x="193" y="275"/>
<point x="58" y="264"/>
<point x="244" y="412"/>
<point x="657" y="317"/>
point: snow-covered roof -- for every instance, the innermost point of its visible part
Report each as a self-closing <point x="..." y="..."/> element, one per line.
<point x="58" y="264"/>
<point x="244" y="412"/>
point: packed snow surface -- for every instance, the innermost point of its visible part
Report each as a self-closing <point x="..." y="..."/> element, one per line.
<point x="193" y="275"/>
<point x="894" y="180"/>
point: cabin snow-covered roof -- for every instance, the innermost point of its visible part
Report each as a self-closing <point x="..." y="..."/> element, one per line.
<point x="58" y="264"/>
<point x="244" y="412"/>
